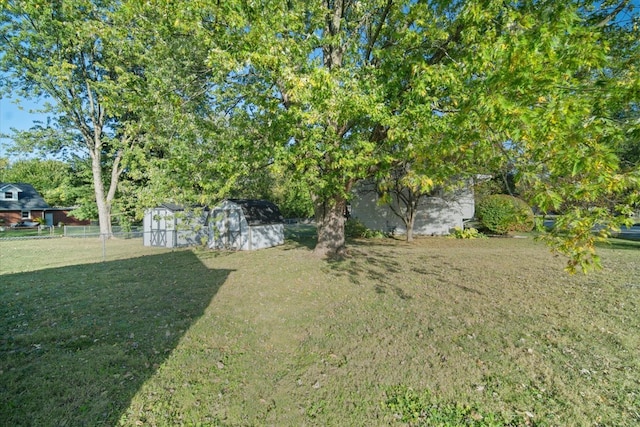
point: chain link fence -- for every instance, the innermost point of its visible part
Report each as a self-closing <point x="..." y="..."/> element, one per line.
<point x="80" y="231"/>
<point x="94" y="231"/>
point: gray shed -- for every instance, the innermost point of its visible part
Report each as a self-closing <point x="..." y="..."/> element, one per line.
<point x="169" y="225"/>
<point x="240" y="224"/>
<point x="436" y="215"/>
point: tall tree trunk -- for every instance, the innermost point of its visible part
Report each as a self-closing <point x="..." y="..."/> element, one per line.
<point x="330" y="222"/>
<point x="410" y="230"/>
<point x="410" y="218"/>
<point x="103" y="204"/>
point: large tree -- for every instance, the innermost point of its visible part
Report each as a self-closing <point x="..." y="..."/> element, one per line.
<point x="330" y="92"/>
<point x="80" y="58"/>
<point x="340" y="87"/>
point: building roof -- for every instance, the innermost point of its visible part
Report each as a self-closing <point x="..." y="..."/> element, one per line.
<point x="174" y="207"/>
<point x="28" y="198"/>
<point x="171" y="206"/>
<point x="259" y="212"/>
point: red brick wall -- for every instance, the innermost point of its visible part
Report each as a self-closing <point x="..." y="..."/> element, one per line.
<point x="59" y="216"/>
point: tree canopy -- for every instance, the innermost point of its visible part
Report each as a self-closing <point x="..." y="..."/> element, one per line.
<point x="78" y="57"/>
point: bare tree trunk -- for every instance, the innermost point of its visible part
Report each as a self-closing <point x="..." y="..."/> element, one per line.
<point x="410" y="217"/>
<point x="410" y="230"/>
<point x="330" y="222"/>
<point x="103" y="205"/>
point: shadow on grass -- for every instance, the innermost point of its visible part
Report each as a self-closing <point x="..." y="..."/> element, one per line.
<point x="300" y="236"/>
<point x="371" y="261"/>
<point x="77" y="343"/>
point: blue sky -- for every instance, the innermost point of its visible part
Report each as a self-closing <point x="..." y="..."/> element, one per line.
<point x="19" y="117"/>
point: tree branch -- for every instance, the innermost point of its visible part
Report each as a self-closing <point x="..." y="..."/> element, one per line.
<point x="612" y="15"/>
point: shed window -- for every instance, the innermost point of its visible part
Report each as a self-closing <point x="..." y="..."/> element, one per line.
<point x="25" y="215"/>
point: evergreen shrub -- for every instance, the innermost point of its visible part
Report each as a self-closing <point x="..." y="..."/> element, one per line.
<point x="503" y="214"/>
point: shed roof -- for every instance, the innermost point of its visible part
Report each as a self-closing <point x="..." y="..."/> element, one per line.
<point x="259" y="212"/>
<point x="170" y="206"/>
<point x="174" y="207"/>
<point x="28" y="198"/>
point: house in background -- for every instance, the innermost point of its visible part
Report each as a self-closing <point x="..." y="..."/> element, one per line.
<point x="436" y="215"/>
<point x="21" y="202"/>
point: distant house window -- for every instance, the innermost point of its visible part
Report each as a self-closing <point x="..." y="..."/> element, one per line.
<point x="25" y="215"/>
<point x="8" y="195"/>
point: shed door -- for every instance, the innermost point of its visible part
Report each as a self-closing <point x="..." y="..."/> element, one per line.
<point x="158" y="228"/>
<point x="234" y="219"/>
<point x="228" y="235"/>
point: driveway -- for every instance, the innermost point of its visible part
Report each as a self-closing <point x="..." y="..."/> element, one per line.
<point x="631" y="233"/>
<point x="628" y="233"/>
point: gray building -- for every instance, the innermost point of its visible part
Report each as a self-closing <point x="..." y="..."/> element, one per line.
<point x="436" y="215"/>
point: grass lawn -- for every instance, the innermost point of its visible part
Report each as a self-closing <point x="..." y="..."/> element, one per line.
<point x="465" y="332"/>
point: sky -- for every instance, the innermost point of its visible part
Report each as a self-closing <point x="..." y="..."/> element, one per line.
<point x="18" y="117"/>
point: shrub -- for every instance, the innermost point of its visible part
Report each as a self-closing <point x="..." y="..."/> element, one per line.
<point x="502" y="214"/>
<point x="466" y="233"/>
<point x="355" y="229"/>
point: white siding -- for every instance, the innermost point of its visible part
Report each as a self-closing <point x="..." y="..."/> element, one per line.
<point x="166" y="228"/>
<point x="229" y="230"/>
<point x="266" y="236"/>
<point x="435" y="216"/>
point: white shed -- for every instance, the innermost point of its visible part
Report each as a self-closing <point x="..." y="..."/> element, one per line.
<point x="240" y="224"/>
<point x="169" y="225"/>
<point x="435" y="215"/>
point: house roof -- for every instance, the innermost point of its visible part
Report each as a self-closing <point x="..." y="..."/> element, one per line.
<point x="28" y="198"/>
<point x="259" y="212"/>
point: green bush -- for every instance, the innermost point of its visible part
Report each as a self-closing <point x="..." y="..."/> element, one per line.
<point x="502" y="214"/>
<point x="466" y="233"/>
<point x="353" y="228"/>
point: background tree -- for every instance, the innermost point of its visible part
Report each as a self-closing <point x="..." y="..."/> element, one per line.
<point x="78" y="57"/>
<point x="194" y="152"/>
<point x="403" y="191"/>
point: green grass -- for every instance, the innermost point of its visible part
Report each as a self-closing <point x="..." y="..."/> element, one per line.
<point x="471" y="332"/>
<point x="9" y="232"/>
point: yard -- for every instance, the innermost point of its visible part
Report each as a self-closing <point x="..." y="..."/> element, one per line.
<point x="486" y="332"/>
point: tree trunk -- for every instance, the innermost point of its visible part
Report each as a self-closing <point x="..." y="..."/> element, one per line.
<point x="412" y="208"/>
<point x="409" y="233"/>
<point x="330" y="222"/>
<point x="103" y="205"/>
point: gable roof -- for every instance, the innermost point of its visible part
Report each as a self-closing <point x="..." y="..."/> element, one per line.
<point x="28" y="198"/>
